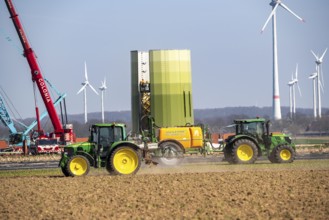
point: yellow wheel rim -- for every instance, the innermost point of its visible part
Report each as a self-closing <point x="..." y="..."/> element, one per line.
<point x="78" y="166"/>
<point x="285" y="154"/>
<point x="245" y="152"/>
<point x="125" y="161"/>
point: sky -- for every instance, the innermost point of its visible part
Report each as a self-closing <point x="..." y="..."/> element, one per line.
<point x="231" y="59"/>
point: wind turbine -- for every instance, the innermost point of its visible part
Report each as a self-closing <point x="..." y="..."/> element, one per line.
<point x="291" y="84"/>
<point x="83" y="88"/>
<point x="103" y="88"/>
<point x="276" y="93"/>
<point x="313" y="76"/>
<point x="318" y="62"/>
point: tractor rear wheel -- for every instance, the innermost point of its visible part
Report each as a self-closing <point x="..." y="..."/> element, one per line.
<point x="244" y="151"/>
<point x="77" y="166"/>
<point x="124" y="160"/>
<point x="171" y="154"/>
<point x="282" y="154"/>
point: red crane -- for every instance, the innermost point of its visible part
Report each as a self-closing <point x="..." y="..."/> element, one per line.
<point x="38" y="78"/>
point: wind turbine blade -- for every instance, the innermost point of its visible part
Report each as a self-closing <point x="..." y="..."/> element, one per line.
<point x="293" y="13"/>
<point x="82" y="88"/>
<point x="269" y="17"/>
<point x="86" y="74"/>
<point x="322" y="81"/>
<point x="323" y="54"/>
<point x="316" y="57"/>
<point x="300" y="93"/>
<point x="296" y="73"/>
<point x="93" y="88"/>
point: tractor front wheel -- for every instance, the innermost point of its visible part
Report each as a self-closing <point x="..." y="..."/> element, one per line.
<point x="64" y="171"/>
<point x="282" y="154"/>
<point x="77" y="166"/>
<point x="124" y="160"/>
<point x="228" y="153"/>
<point x="244" y="151"/>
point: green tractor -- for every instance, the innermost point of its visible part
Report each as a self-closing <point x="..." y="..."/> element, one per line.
<point x="253" y="139"/>
<point x="107" y="147"/>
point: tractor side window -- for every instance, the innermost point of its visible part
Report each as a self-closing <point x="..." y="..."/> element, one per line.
<point x="260" y="128"/>
<point x="106" y="136"/>
<point x="94" y="135"/>
<point x="117" y="134"/>
<point x="250" y="128"/>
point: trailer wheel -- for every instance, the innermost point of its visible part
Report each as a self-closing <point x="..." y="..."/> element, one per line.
<point x="124" y="160"/>
<point x="244" y="151"/>
<point x="171" y="154"/>
<point x="282" y="154"/>
<point x="78" y="166"/>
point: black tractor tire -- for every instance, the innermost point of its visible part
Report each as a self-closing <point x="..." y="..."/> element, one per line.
<point x="282" y="154"/>
<point x="172" y="154"/>
<point x="64" y="171"/>
<point x="244" y="151"/>
<point x="124" y="160"/>
<point x="77" y="166"/>
<point x="271" y="158"/>
<point x="228" y="154"/>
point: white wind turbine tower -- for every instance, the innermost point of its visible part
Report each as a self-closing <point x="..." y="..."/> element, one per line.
<point x="103" y="88"/>
<point x="291" y="84"/>
<point x="84" y="87"/>
<point x="313" y="77"/>
<point x="318" y="62"/>
<point x="276" y="93"/>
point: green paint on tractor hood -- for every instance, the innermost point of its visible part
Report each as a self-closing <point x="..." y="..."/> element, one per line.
<point x="82" y="146"/>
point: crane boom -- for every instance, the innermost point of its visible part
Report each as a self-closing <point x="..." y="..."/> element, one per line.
<point x="5" y="117"/>
<point x="35" y="70"/>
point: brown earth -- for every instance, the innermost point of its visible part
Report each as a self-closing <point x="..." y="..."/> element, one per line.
<point x="215" y="191"/>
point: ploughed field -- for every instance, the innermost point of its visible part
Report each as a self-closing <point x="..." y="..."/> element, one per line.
<point x="201" y="190"/>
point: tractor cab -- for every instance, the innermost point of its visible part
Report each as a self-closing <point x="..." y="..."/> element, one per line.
<point x="104" y="135"/>
<point x="257" y="128"/>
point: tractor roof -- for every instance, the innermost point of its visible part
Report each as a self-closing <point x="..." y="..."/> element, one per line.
<point x="241" y="121"/>
<point x="110" y="124"/>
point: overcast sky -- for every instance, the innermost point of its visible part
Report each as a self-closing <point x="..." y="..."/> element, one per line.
<point x="231" y="59"/>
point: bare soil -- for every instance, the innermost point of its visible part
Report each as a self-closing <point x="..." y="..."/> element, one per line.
<point x="199" y="191"/>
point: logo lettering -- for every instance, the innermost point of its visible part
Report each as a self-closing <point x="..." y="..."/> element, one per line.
<point x="44" y="89"/>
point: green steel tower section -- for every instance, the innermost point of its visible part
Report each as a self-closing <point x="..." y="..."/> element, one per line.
<point x="171" y="87"/>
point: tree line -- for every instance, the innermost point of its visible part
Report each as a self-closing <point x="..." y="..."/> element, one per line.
<point x="218" y="121"/>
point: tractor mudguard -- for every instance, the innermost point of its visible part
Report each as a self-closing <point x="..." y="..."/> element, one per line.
<point x="237" y="137"/>
<point x="63" y="160"/>
<point x="121" y="143"/>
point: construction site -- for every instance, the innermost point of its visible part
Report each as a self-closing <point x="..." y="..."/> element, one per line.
<point x="167" y="164"/>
